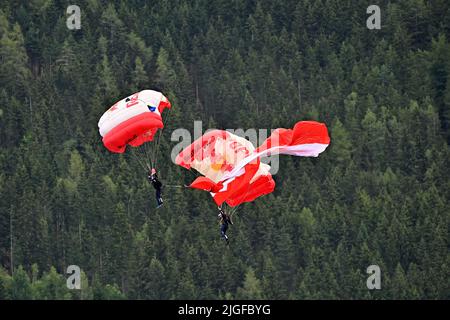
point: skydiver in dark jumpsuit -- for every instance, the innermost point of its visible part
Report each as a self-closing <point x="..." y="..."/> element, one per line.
<point x="225" y="220"/>
<point x="153" y="177"/>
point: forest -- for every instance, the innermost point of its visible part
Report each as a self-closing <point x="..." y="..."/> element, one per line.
<point x="379" y="195"/>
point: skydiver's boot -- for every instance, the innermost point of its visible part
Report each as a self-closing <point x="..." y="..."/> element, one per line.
<point x="160" y="203"/>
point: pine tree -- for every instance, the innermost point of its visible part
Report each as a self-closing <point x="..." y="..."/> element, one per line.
<point x="251" y="289"/>
<point x="21" y="286"/>
<point x="139" y="75"/>
<point x="154" y="281"/>
<point x="5" y="285"/>
<point x="14" y="59"/>
<point x="342" y="146"/>
<point x="52" y="286"/>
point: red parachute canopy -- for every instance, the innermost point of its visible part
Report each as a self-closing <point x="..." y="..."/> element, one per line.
<point x="231" y="165"/>
<point x="217" y="153"/>
<point x="133" y="120"/>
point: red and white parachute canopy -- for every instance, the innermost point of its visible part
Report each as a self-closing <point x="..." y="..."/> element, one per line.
<point x="133" y="120"/>
<point x="231" y="165"/>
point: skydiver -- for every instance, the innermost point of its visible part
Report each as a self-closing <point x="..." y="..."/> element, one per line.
<point x="153" y="177"/>
<point x="225" y="220"/>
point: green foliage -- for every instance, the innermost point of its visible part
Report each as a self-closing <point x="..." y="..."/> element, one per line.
<point x="378" y="195"/>
<point x="52" y="286"/>
<point x="21" y="285"/>
<point x="5" y="285"/>
<point x="252" y="288"/>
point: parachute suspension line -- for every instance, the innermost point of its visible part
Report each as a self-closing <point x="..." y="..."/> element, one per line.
<point x="234" y="210"/>
<point x="142" y="158"/>
<point x="155" y="147"/>
<point x="196" y="175"/>
<point x="158" y="141"/>
<point x="148" y="160"/>
<point x="140" y="152"/>
<point x="138" y="156"/>
<point x="231" y="211"/>
<point x="139" y="161"/>
<point x="141" y="155"/>
<point x="150" y="157"/>
<point x="143" y="163"/>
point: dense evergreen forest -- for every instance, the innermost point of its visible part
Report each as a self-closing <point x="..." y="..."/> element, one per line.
<point x="379" y="195"/>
